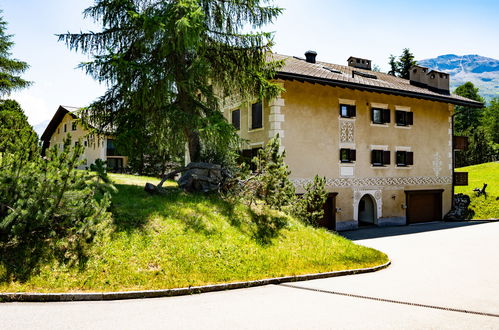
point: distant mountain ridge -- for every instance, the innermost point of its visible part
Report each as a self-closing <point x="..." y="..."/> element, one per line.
<point x="482" y="71"/>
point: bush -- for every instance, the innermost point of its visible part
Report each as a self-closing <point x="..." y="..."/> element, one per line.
<point x="273" y="187"/>
<point x="47" y="209"/>
<point x="310" y="207"/>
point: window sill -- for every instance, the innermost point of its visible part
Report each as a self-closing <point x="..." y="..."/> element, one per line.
<point x="346" y="163"/>
<point x="404" y="126"/>
<point x="347" y="118"/>
<point x="406" y="167"/>
<point x="379" y="125"/>
<point x="379" y="166"/>
<point x="255" y="130"/>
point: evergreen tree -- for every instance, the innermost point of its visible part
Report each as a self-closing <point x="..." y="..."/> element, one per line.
<point x="170" y="61"/>
<point x="310" y="207"/>
<point x="401" y="67"/>
<point x="466" y="117"/>
<point x="9" y="68"/>
<point x="15" y="131"/>
<point x="405" y="63"/>
<point x="272" y="174"/>
<point x="392" y="61"/>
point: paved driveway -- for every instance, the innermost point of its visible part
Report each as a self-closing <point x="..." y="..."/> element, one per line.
<point x="442" y="276"/>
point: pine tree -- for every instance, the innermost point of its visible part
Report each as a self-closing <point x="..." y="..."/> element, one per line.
<point x="401" y="67"/>
<point x="15" y="131"/>
<point x="405" y="63"/>
<point x="9" y="68"/>
<point x="392" y="61"/>
<point x="275" y="188"/>
<point x="171" y="61"/>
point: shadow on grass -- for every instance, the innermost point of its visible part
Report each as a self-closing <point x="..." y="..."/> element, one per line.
<point x="133" y="209"/>
<point x="21" y="261"/>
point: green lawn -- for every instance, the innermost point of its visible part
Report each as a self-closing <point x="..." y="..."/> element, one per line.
<point x="180" y="240"/>
<point x="484" y="207"/>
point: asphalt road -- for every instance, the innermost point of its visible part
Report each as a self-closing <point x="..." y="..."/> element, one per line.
<point x="443" y="276"/>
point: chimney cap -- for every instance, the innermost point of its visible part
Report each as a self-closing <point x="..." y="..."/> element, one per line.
<point x="310" y="56"/>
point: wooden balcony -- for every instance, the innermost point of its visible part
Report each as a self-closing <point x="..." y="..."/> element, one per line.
<point x="460" y="142"/>
<point x="460" y="178"/>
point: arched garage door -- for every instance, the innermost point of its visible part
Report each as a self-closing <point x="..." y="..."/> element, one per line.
<point x="423" y="205"/>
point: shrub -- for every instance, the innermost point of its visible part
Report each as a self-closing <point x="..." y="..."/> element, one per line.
<point x="310" y="207"/>
<point x="273" y="187"/>
<point x="47" y="209"/>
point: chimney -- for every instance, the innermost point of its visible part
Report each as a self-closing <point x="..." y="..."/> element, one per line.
<point x="418" y="76"/>
<point x="310" y="56"/>
<point x="435" y="81"/>
<point x="438" y="82"/>
<point x="359" y="63"/>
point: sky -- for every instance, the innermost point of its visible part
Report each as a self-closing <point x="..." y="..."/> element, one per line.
<point x="334" y="29"/>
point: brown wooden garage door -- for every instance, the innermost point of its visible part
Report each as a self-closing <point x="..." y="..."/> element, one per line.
<point x="423" y="205"/>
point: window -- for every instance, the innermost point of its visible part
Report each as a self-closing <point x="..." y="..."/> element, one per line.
<point x="380" y="157"/>
<point x="256" y="115"/>
<point x="236" y="119"/>
<point x="110" y="150"/>
<point x="403" y="118"/>
<point x="114" y="164"/>
<point x="347" y="111"/>
<point x="65" y="128"/>
<point x="347" y="155"/>
<point x="85" y="143"/>
<point x="380" y="116"/>
<point x="58" y="130"/>
<point x="404" y="158"/>
<point x="73" y="126"/>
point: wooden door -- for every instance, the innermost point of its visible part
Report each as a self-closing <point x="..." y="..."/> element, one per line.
<point x="329" y="219"/>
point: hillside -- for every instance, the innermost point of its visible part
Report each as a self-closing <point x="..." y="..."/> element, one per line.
<point x="181" y="240"/>
<point x="483" y="207"/>
<point x="482" y="71"/>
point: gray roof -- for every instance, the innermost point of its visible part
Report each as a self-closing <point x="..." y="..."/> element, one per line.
<point x="349" y="77"/>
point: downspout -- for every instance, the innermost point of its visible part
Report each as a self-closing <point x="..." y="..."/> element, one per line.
<point x="453" y="160"/>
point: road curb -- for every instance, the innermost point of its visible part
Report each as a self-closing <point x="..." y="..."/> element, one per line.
<point x="100" y="296"/>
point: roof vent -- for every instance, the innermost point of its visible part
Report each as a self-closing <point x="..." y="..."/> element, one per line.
<point x="359" y="63"/>
<point x="310" y="56"/>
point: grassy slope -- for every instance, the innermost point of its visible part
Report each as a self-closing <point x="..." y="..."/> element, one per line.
<point x="484" y="208"/>
<point x="183" y="240"/>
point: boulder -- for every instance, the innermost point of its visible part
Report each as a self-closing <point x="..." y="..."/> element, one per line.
<point x="201" y="177"/>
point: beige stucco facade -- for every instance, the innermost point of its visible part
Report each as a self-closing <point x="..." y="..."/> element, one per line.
<point x="307" y="118"/>
<point x="95" y="146"/>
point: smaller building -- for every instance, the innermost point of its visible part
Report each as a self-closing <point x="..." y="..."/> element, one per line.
<point x="66" y="121"/>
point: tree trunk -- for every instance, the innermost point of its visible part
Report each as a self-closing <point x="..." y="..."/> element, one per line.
<point x="194" y="144"/>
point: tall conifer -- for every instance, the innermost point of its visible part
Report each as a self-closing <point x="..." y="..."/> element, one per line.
<point x="171" y="61"/>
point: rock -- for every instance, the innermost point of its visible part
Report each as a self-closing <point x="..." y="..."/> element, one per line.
<point x="460" y="210"/>
<point x="196" y="177"/>
<point x="202" y="177"/>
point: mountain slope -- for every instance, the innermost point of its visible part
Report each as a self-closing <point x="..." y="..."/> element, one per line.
<point x="482" y="71"/>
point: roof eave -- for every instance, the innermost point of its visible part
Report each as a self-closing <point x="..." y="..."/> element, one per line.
<point x="345" y="84"/>
<point x="54" y="122"/>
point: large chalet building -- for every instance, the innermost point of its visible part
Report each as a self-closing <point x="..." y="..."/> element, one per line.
<point x="66" y="122"/>
<point x="385" y="144"/>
